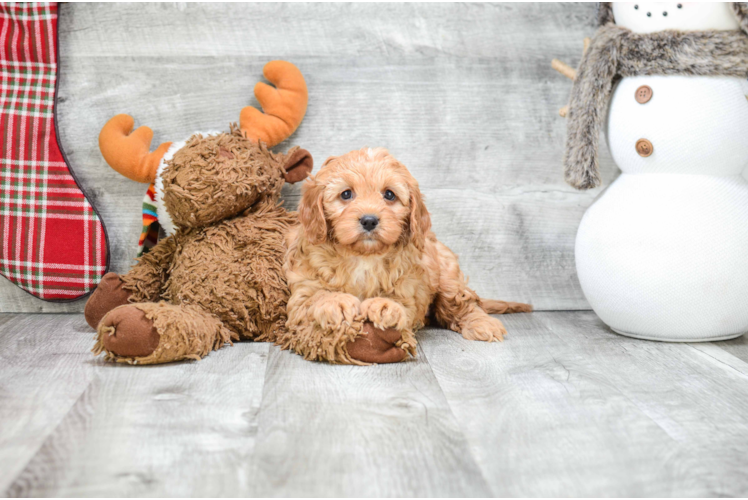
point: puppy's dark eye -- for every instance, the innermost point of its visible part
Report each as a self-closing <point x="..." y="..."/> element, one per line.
<point x="346" y="195"/>
<point x="389" y="195"/>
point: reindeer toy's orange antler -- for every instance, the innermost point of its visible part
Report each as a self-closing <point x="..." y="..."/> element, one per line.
<point x="284" y="107"/>
<point x="126" y="152"/>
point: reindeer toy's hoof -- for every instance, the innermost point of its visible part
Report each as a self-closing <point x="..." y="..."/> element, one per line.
<point x="378" y="346"/>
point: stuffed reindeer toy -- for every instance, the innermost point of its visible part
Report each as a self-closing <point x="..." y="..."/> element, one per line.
<point x="217" y="276"/>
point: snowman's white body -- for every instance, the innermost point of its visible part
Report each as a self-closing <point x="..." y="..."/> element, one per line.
<point x="663" y="252"/>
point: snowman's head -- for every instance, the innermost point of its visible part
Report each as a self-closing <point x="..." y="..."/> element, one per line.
<point x="649" y="17"/>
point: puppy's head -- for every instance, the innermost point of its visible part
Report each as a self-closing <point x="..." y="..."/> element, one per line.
<point x="366" y="201"/>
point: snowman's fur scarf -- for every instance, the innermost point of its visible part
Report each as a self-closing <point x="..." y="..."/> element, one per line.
<point x="617" y="52"/>
<point x="741" y="11"/>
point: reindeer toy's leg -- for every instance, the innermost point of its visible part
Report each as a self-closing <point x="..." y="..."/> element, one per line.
<point x="149" y="333"/>
<point x="143" y="283"/>
<point x="132" y="327"/>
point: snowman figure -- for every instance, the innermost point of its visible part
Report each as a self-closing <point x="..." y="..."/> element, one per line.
<point x="662" y="254"/>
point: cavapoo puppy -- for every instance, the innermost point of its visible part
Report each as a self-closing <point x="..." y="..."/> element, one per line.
<point x="365" y="270"/>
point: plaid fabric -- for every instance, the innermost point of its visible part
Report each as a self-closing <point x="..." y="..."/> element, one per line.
<point x="53" y="243"/>
<point x="151" y="227"/>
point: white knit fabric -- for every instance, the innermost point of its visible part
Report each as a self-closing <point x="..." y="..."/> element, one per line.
<point x="663" y="253"/>
<point x="648" y="17"/>
<point x="663" y="256"/>
<point x="695" y="124"/>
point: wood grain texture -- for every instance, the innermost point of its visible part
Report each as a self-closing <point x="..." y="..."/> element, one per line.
<point x="45" y="366"/>
<point x="463" y="94"/>
<point x="737" y="347"/>
<point x="375" y="431"/>
<point x="183" y="429"/>
<point x="565" y="407"/>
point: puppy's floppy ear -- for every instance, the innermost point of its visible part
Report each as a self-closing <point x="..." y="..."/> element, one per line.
<point x="420" y="220"/>
<point x="312" y="212"/>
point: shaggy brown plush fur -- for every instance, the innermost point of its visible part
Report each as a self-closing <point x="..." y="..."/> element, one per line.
<point x="220" y="276"/>
<point x="232" y="269"/>
<point x="212" y="178"/>
<point x="617" y="52"/>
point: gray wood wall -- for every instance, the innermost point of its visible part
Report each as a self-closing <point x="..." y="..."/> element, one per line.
<point x="463" y="94"/>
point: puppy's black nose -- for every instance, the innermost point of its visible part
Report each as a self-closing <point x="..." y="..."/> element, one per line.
<point x="369" y="222"/>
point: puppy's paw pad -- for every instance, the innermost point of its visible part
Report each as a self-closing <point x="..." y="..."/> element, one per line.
<point x="384" y="313"/>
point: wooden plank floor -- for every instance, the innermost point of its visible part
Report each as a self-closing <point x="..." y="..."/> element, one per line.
<point x="564" y="407"/>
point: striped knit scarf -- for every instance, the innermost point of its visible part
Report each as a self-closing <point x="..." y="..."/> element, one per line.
<point x="150" y="232"/>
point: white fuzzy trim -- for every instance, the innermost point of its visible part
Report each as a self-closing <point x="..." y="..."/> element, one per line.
<point x="164" y="219"/>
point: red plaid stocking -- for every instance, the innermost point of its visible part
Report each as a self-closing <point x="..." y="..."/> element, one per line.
<point x="53" y="244"/>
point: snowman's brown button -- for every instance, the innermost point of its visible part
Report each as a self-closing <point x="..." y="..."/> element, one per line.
<point x="643" y="94"/>
<point x="644" y="147"/>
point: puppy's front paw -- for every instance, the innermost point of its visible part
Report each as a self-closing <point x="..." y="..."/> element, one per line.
<point x="483" y="327"/>
<point x="384" y="313"/>
<point x="336" y="309"/>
